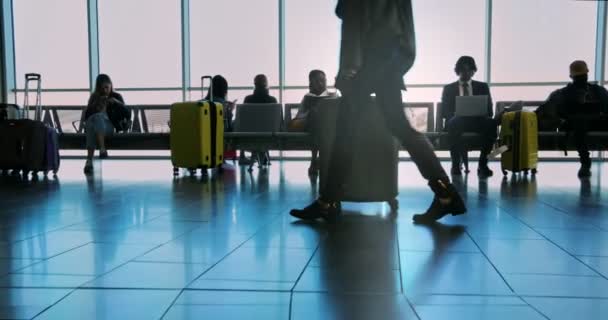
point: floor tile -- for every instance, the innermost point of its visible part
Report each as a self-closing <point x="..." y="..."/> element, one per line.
<point x="313" y="306"/>
<point x="27" y="303"/>
<point x="565" y="309"/>
<point x="528" y="253"/>
<point x="450" y="273"/>
<point x="262" y="264"/>
<point x="350" y="280"/>
<point x="250" y="285"/>
<point x="46" y="246"/>
<point x="558" y="286"/>
<point x="599" y="264"/>
<point x="43" y="281"/>
<point x="579" y="242"/>
<point x="8" y="265"/>
<point x="91" y="259"/>
<point x="147" y="275"/>
<point x="112" y="304"/>
<point x="205" y="248"/>
<point x="482" y="312"/>
<point x="438" y="237"/>
<point x="230" y="305"/>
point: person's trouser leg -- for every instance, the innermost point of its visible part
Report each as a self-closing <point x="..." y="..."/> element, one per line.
<point x="421" y="151"/>
<point x="455" y="127"/>
<point x="579" y="130"/>
<point x="489" y="134"/>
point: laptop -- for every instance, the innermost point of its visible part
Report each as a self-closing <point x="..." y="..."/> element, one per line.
<point x="471" y="106"/>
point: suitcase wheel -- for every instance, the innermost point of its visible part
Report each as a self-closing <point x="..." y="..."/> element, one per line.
<point x="394" y="205"/>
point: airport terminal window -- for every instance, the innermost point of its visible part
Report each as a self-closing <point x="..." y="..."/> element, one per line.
<point x="446" y="30"/>
<point x="51" y="42"/>
<point x="235" y="43"/>
<point x="535" y="40"/>
<point x="140" y="45"/>
<point x="312" y="40"/>
<point x="529" y="93"/>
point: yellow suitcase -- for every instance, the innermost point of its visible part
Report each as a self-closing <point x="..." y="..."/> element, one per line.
<point x="197" y="135"/>
<point x="519" y="132"/>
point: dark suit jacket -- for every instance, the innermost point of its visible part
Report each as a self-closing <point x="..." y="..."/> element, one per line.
<point x="452" y="90"/>
<point x="371" y="29"/>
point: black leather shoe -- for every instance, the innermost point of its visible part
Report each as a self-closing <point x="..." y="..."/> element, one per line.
<point x="316" y="210"/>
<point x="484" y="172"/>
<point x="456" y="171"/>
<point x="453" y="205"/>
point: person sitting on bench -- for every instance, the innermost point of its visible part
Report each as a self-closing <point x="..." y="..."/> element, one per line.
<point x="317" y="88"/>
<point x="261" y="94"/>
<point x="97" y="121"/>
<point x="583" y="107"/>
<point x="485" y="126"/>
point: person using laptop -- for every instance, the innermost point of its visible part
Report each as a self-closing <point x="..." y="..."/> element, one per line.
<point x="583" y="107"/>
<point x="468" y="120"/>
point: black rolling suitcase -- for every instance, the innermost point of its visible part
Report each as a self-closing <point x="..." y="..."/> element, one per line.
<point x="373" y="175"/>
<point x="29" y="145"/>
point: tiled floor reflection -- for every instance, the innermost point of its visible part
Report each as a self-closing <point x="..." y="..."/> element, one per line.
<point x="131" y="242"/>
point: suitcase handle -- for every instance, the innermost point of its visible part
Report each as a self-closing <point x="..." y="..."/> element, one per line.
<point x="35" y="77"/>
<point x="32" y="76"/>
<point x="210" y="78"/>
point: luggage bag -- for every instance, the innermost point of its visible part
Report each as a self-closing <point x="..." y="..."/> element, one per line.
<point x="373" y="175"/>
<point x="519" y="132"/>
<point x="197" y="135"/>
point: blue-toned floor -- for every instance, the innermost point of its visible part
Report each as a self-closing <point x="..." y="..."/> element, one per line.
<point x="132" y="243"/>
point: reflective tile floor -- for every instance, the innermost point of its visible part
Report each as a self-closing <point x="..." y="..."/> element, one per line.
<point x="133" y="243"/>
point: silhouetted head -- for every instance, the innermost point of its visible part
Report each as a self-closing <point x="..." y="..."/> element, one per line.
<point x="103" y="85"/>
<point x="579" y="72"/>
<point x="317" y="82"/>
<point x="465" y="68"/>
<point x="260" y="82"/>
<point x="220" y="88"/>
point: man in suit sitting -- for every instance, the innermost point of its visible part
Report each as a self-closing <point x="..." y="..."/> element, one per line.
<point x="485" y="126"/>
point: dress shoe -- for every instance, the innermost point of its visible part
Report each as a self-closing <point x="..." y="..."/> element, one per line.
<point x="484" y="172"/>
<point x="446" y="201"/>
<point x="316" y="210"/>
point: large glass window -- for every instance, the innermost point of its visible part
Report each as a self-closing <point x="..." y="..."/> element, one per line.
<point x="51" y="39"/>
<point x="536" y="40"/>
<point x="235" y="38"/>
<point x="312" y="40"/>
<point x="140" y="42"/>
<point x="446" y="30"/>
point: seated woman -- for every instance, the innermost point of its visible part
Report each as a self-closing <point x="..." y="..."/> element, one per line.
<point x="220" y="94"/>
<point x="103" y="101"/>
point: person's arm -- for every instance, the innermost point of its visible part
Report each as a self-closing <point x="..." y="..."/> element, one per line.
<point x="117" y="98"/>
<point x="351" y="47"/>
<point x="490" y="102"/>
<point x="446" y="105"/>
<point x="604" y="100"/>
